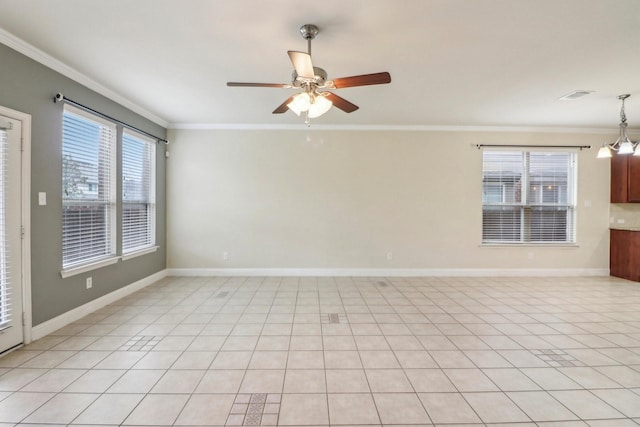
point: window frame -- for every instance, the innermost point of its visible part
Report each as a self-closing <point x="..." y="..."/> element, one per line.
<point x="90" y="263"/>
<point x="150" y="200"/>
<point x="526" y="207"/>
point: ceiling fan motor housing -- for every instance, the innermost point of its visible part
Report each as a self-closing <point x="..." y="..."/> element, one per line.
<point x="318" y="80"/>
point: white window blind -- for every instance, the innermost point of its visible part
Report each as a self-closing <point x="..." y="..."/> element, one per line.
<point x="528" y="197"/>
<point x="5" y="282"/>
<point x="138" y="192"/>
<point x="88" y="188"/>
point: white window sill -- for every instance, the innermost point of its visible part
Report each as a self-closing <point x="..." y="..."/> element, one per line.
<point x="88" y="267"/>
<point x="529" y="245"/>
<point x="140" y="252"/>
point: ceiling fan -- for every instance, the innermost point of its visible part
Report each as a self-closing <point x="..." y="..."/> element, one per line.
<point x="315" y="100"/>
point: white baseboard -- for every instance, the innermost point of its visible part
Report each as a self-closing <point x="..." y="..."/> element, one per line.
<point x="77" y="313"/>
<point x="395" y="272"/>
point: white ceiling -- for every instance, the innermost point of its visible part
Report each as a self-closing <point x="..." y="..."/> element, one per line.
<point x="452" y="62"/>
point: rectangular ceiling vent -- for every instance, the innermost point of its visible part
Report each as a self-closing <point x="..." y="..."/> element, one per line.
<point x="576" y="94"/>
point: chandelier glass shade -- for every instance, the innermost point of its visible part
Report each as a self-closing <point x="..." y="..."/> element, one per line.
<point x="300" y="103"/>
<point x="320" y="106"/>
<point x="314" y="104"/>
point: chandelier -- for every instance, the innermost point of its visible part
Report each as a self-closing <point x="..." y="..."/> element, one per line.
<point x="622" y="145"/>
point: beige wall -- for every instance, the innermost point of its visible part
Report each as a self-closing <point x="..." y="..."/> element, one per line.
<point x="320" y="199"/>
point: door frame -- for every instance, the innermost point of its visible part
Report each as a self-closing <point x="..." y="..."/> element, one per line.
<point x="25" y="217"/>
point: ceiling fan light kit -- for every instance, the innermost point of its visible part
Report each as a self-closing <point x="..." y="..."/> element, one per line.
<point x="315" y="100"/>
<point x="623" y="145"/>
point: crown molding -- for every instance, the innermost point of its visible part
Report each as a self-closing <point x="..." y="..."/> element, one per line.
<point x="47" y="60"/>
<point x="391" y="128"/>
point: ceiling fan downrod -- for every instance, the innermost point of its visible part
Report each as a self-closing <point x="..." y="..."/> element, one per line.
<point x="309" y="32"/>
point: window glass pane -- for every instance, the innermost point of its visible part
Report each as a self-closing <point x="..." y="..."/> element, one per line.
<point x="501" y="177"/>
<point x="548" y="224"/>
<point x="501" y="224"/>
<point x="549" y="177"/>
<point x="5" y="279"/>
<point x="88" y="208"/>
<point x="138" y="192"/>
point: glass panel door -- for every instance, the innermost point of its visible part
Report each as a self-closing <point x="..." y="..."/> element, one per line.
<point x="11" y="329"/>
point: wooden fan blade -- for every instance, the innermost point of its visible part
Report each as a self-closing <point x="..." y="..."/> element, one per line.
<point x="282" y="108"/>
<point x="240" y="84"/>
<point x="302" y="63"/>
<point x="362" y="80"/>
<point x="341" y="103"/>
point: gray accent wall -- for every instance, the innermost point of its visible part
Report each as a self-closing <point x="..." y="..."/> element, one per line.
<point x="29" y="87"/>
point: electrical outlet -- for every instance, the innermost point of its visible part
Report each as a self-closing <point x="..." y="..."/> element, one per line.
<point x="225" y="256"/>
<point x="389" y="256"/>
<point x="89" y="282"/>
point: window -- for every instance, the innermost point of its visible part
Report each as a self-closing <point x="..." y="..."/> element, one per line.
<point x="528" y="197"/>
<point x="88" y="188"/>
<point x="138" y="192"/>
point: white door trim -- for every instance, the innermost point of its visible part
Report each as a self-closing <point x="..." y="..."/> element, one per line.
<point x="25" y="195"/>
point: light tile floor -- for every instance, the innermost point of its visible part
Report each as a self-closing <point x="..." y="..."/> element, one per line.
<point x="340" y="352"/>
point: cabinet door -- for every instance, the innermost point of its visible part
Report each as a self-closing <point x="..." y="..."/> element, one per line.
<point x="619" y="257"/>
<point x="633" y="179"/>
<point x="619" y="178"/>
<point x="634" y="252"/>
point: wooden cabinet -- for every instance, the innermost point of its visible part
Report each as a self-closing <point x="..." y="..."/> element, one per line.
<point x="633" y="179"/>
<point x="625" y="179"/>
<point x="624" y="254"/>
